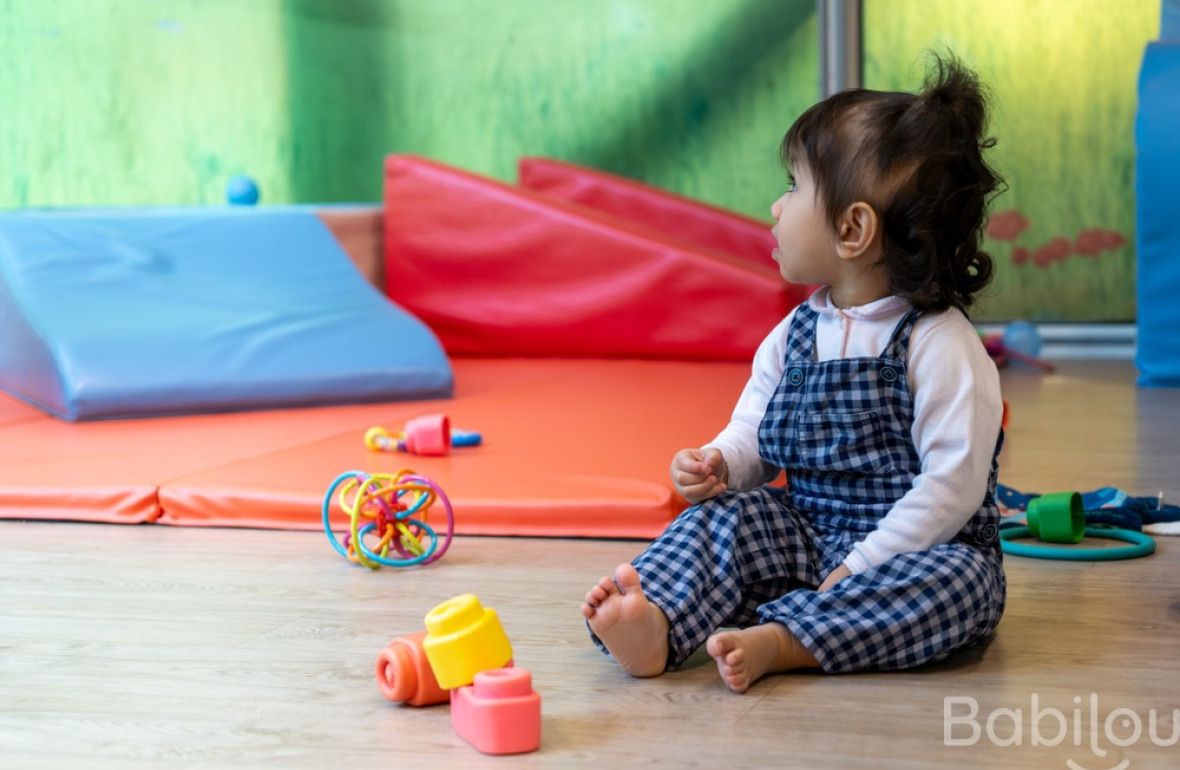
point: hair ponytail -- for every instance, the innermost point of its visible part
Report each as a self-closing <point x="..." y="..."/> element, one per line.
<point x="954" y="99"/>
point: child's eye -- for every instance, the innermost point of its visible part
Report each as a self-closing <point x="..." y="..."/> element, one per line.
<point x="791" y="186"/>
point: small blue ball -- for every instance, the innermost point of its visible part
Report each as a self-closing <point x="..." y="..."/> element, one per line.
<point x="1022" y="337"/>
<point x="241" y="191"/>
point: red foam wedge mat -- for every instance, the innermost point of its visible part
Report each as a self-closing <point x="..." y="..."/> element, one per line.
<point x="497" y="270"/>
<point x="661" y="210"/>
<point x="571" y="447"/>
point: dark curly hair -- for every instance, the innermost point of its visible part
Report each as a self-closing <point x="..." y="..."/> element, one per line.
<point x="917" y="159"/>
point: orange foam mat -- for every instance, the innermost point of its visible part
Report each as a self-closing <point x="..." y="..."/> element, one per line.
<point x="13" y="410"/>
<point x="112" y="471"/>
<point x="581" y="451"/>
<point x="571" y="448"/>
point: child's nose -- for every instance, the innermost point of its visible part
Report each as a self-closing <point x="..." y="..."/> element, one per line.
<point x="776" y="208"/>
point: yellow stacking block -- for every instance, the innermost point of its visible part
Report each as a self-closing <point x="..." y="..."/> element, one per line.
<point x="464" y="638"/>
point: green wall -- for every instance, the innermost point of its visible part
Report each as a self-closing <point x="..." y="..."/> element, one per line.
<point x="1063" y="77"/>
<point x="161" y="101"/>
<point x="140" y="102"/>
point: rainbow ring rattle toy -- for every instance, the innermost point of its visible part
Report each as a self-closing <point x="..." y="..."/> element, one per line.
<point x="397" y="505"/>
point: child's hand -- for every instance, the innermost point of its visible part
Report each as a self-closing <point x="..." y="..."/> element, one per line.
<point x="834" y="577"/>
<point x="699" y="475"/>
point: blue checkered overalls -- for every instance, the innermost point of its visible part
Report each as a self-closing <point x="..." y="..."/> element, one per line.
<point x="842" y="430"/>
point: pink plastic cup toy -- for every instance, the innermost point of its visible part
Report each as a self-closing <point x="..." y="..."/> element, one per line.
<point x="429" y="435"/>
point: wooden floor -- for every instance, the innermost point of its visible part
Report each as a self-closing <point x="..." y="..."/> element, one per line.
<point x="153" y="646"/>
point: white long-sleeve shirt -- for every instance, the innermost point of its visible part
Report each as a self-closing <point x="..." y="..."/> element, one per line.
<point x="957" y="412"/>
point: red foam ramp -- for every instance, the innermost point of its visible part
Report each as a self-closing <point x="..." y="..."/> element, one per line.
<point x="666" y="212"/>
<point x="498" y="270"/>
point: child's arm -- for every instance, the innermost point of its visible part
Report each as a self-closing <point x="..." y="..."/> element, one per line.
<point x="957" y="411"/>
<point x="738" y="442"/>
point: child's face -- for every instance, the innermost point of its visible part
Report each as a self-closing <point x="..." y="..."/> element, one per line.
<point x="806" y="247"/>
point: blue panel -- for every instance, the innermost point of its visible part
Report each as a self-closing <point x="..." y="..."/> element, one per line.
<point x="117" y="314"/>
<point x="1170" y="20"/>
<point x="1157" y="188"/>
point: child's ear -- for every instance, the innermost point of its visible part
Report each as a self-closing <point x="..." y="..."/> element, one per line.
<point x="857" y="230"/>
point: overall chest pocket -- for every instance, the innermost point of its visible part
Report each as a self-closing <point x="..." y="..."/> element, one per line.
<point x="841" y="442"/>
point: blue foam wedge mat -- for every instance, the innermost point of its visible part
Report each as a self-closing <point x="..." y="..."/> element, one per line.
<point x="107" y="314"/>
<point x="1157" y="186"/>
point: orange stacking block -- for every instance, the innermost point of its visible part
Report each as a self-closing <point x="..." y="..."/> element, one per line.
<point x="404" y="674"/>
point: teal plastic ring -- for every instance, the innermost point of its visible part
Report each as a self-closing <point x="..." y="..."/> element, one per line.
<point x="1140" y="545"/>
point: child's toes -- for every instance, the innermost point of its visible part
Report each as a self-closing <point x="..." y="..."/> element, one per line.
<point x="601" y="591"/>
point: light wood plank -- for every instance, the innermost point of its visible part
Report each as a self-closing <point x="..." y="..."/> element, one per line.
<point x="154" y="646"/>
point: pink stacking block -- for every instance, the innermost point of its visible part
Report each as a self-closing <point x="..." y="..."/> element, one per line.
<point x="500" y="713"/>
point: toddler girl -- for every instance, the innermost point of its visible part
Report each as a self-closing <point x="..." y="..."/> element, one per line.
<point x="877" y="398"/>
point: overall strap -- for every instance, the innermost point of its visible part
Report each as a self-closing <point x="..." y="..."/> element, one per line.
<point x="899" y="342"/>
<point x="801" y="334"/>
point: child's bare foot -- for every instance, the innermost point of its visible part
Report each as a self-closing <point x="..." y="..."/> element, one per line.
<point x="743" y="657"/>
<point x="632" y="628"/>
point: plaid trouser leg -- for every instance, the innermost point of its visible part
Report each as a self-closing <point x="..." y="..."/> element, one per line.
<point x="719" y="560"/>
<point x="913" y="609"/>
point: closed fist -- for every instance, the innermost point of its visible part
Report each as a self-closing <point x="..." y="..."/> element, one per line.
<point x="699" y="474"/>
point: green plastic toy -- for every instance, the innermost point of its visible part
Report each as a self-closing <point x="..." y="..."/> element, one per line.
<point x="1060" y="518"/>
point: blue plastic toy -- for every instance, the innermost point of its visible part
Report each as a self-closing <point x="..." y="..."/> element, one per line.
<point x="1022" y="337"/>
<point x="241" y="190"/>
